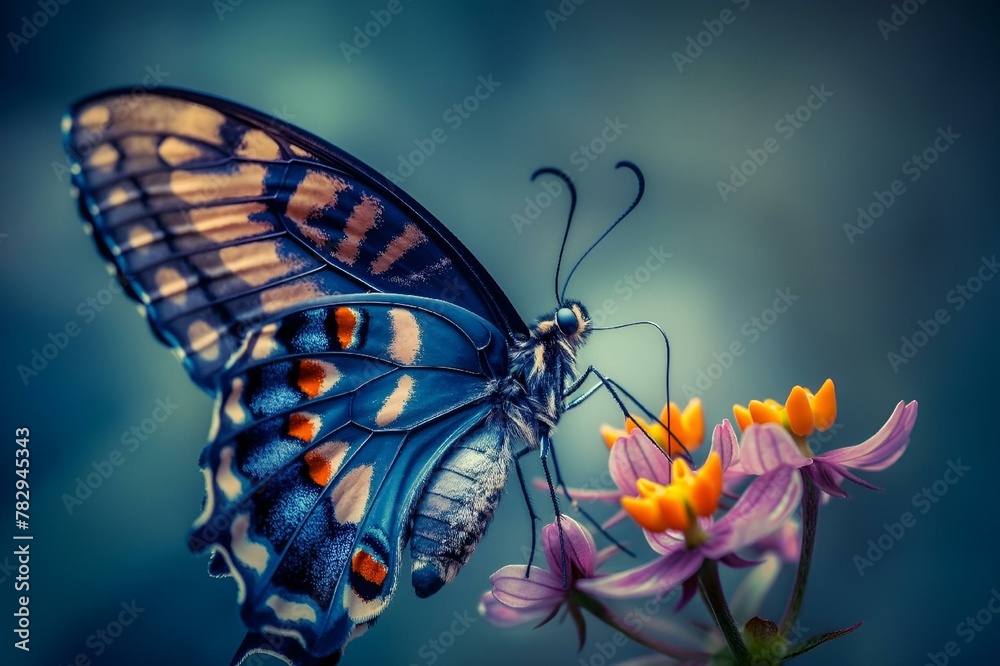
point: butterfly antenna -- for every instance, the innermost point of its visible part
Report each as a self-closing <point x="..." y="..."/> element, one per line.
<point x="635" y="202"/>
<point x="560" y="174"/>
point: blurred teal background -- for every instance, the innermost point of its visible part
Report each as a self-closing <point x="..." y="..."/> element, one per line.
<point x="561" y="83"/>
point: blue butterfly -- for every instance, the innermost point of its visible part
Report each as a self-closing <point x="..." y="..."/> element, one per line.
<point x="372" y="382"/>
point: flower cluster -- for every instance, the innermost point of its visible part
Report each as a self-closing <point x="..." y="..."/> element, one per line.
<point x="737" y="508"/>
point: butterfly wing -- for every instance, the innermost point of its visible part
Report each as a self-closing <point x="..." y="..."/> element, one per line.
<point x="218" y="218"/>
<point x="354" y="346"/>
<point x="330" y="422"/>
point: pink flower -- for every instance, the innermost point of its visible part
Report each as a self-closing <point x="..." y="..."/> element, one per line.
<point x="516" y="598"/>
<point x="761" y="510"/>
<point x="768" y="446"/>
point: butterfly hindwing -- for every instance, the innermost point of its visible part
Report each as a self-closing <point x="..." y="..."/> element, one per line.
<point x="332" y="424"/>
<point x="219" y="218"/>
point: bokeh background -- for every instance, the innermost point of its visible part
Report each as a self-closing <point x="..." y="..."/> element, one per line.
<point x="565" y="73"/>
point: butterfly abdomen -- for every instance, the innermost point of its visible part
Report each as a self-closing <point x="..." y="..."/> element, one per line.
<point x="456" y="506"/>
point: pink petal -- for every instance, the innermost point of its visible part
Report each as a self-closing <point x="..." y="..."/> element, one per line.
<point x="672" y="540"/>
<point x="609" y="496"/>
<point x="766" y="447"/>
<point x="724" y="442"/>
<point x="828" y="475"/>
<point x="749" y="596"/>
<point x="502" y="615"/>
<point x="635" y="457"/>
<point x="618" y="517"/>
<point x="884" y="447"/>
<point x="542" y="589"/>
<point x="654" y="579"/>
<point x="581" y="551"/>
<point x="585" y="494"/>
<point x="765" y="505"/>
<point x="786" y="541"/>
<point x="606" y="553"/>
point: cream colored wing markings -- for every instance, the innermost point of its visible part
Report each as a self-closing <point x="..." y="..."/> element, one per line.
<point x="175" y="179"/>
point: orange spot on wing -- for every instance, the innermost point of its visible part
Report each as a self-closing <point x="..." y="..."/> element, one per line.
<point x="366" y="566"/>
<point x="320" y="470"/>
<point x="311" y="376"/>
<point x="324" y="461"/>
<point x="302" y="426"/>
<point x="347" y="321"/>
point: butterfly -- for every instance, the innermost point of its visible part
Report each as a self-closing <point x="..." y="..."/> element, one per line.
<point x="372" y="382"/>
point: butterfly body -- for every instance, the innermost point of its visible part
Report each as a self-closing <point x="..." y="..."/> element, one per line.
<point x="372" y="382"/>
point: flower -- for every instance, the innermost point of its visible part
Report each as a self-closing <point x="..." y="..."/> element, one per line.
<point x="688" y="428"/>
<point x="769" y="446"/>
<point x="516" y="598"/>
<point x="678" y="505"/>
<point x="761" y="510"/>
<point x="802" y="413"/>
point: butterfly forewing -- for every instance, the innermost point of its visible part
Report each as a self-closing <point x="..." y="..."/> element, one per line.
<point x="219" y="218"/>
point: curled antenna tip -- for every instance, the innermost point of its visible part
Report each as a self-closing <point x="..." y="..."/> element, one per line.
<point x="635" y="202"/>
<point x="550" y="170"/>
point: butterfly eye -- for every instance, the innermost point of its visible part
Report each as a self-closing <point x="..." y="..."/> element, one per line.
<point x="567" y="321"/>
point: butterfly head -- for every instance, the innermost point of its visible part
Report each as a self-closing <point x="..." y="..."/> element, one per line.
<point x="569" y="324"/>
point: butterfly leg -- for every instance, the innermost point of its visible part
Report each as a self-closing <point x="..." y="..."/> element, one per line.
<point x="578" y="382"/>
<point x="583" y="512"/>
<point x="533" y="517"/>
<point x="603" y="381"/>
<point x="613" y="388"/>
<point x="547" y="447"/>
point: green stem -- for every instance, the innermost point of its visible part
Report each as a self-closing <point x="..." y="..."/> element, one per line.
<point x="715" y="599"/>
<point x="604" y="614"/>
<point x="810" y="518"/>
